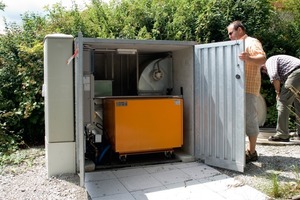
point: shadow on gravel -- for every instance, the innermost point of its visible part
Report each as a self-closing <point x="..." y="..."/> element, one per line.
<point x="286" y="168"/>
<point x="71" y="178"/>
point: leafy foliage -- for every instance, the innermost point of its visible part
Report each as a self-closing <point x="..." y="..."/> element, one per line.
<point x="217" y="15"/>
<point x="21" y="77"/>
<point x="2" y="5"/>
<point x="281" y="36"/>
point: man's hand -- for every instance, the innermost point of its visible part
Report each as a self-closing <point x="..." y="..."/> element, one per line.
<point x="244" y="56"/>
<point x="277" y="96"/>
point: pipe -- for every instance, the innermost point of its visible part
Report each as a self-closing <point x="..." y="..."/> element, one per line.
<point x="102" y="154"/>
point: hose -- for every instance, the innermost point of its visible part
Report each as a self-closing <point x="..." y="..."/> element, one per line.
<point x="102" y="154"/>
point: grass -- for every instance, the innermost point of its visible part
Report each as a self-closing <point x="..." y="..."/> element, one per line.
<point x="275" y="186"/>
<point x="24" y="158"/>
<point x="284" y="190"/>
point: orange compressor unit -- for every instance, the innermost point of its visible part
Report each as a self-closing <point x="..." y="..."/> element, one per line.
<point x="141" y="125"/>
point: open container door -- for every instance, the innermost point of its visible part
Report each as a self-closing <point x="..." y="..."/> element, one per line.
<point x="79" y="90"/>
<point x="220" y="105"/>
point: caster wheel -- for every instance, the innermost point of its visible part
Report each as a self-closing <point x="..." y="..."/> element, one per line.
<point x="123" y="158"/>
<point x="168" y="154"/>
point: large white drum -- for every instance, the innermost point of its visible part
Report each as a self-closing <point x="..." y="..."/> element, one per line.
<point x="262" y="110"/>
<point x="156" y="77"/>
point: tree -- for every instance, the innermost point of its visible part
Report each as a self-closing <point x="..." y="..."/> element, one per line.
<point x="2" y="5"/>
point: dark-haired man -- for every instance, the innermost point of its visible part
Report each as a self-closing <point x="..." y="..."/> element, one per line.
<point x="253" y="56"/>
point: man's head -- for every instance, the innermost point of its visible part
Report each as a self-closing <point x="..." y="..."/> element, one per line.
<point x="236" y="30"/>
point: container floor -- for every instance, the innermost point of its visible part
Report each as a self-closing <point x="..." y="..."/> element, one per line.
<point x="112" y="160"/>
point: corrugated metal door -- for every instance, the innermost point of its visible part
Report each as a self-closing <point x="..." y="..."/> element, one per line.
<point x="80" y="83"/>
<point x="220" y="105"/>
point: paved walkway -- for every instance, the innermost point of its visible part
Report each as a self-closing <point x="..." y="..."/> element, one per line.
<point x="175" y="181"/>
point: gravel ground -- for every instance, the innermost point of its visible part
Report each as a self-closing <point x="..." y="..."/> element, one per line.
<point x="28" y="180"/>
<point x="280" y="160"/>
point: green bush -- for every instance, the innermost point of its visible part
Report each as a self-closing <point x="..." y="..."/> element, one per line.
<point x="21" y="78"/>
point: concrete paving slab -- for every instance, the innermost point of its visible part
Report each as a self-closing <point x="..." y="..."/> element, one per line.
<point x="176" y="181"/>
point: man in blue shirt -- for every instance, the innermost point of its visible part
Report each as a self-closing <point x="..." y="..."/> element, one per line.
<point x="284" y="73"/>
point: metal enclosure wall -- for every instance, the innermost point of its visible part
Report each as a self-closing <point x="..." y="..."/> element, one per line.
<point x="59" y="105"/>
<point x="88" y="82"/>
<point x="210" y="77"/>
<point x="58" y="85"/>
<point x="220" y="104"/>
<point x="104" y="63"/>
<point x="183" y="74"/>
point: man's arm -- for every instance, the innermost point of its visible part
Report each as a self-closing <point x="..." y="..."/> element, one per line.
<point x="257" y="59"/>
<point x="276" y="84"/>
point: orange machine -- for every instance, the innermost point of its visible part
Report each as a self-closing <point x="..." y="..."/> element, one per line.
<point x="141" y="125"/>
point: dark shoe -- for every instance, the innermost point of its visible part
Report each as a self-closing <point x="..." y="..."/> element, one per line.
<point x="250" y="157"/>
<point x="278" y="139"/>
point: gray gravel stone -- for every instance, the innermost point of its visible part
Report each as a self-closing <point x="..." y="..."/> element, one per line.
<point x="29" y="180"/>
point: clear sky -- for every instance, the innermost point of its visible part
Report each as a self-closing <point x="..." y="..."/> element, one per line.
<point x="15" y="8"/>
